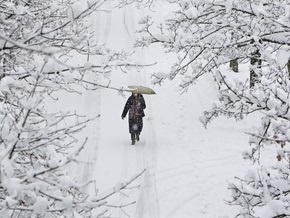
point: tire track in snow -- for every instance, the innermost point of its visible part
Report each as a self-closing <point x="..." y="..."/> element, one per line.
<point x="90" y="153"/>
<point x="92" y="107"/>
<point x="146" y="156"/>
<point x="148" y="202"/>
<point x="108" y="24"/>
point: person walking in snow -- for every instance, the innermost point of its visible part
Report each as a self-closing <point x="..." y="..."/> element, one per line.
<point x="135" y="105"/>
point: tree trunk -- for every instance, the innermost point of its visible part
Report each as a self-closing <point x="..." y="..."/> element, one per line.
<point x="234" y="65"/>
<point x="2" y="66"/>
<point x="288" y="66"/>
<point x="255" y="64"/>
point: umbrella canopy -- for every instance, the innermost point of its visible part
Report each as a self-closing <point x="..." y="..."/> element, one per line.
<point x="142" y="90"/>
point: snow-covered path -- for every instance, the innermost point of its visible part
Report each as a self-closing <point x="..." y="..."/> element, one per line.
<point x="187" y="167"/>
<point x="113" y="158"/>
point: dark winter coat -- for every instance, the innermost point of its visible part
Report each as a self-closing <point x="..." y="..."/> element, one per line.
<point x="131" y="102"/>
<point x="136" y="113"/>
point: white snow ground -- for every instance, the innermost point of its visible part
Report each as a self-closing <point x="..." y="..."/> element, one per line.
<point x="187" y="166"/>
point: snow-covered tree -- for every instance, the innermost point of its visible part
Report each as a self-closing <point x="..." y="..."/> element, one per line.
<point x="207" y="35"/>
<point x="37" y="40"/>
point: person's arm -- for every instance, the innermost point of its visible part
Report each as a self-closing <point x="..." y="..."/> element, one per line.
<point x="126" y="108"/>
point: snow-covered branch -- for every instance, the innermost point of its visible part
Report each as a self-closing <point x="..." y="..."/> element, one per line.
<point x="206" y="36"/>
<point x="199" y="31"/>
<point x="37" y="40"/>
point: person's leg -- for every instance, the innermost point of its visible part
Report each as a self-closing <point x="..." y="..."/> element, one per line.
<point x="140" y="127"/>
<point x="131" y="130"/>
<point x="133" y="138"/>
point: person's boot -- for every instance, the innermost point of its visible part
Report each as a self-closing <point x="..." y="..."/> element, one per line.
<point x="133" y="138"/>
<point x="138" y="136"/>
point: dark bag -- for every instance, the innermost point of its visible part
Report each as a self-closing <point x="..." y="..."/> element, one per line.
<point x="135" y="111"/>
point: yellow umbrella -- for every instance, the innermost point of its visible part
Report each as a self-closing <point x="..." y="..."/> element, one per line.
<point x="142" y="90"/>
